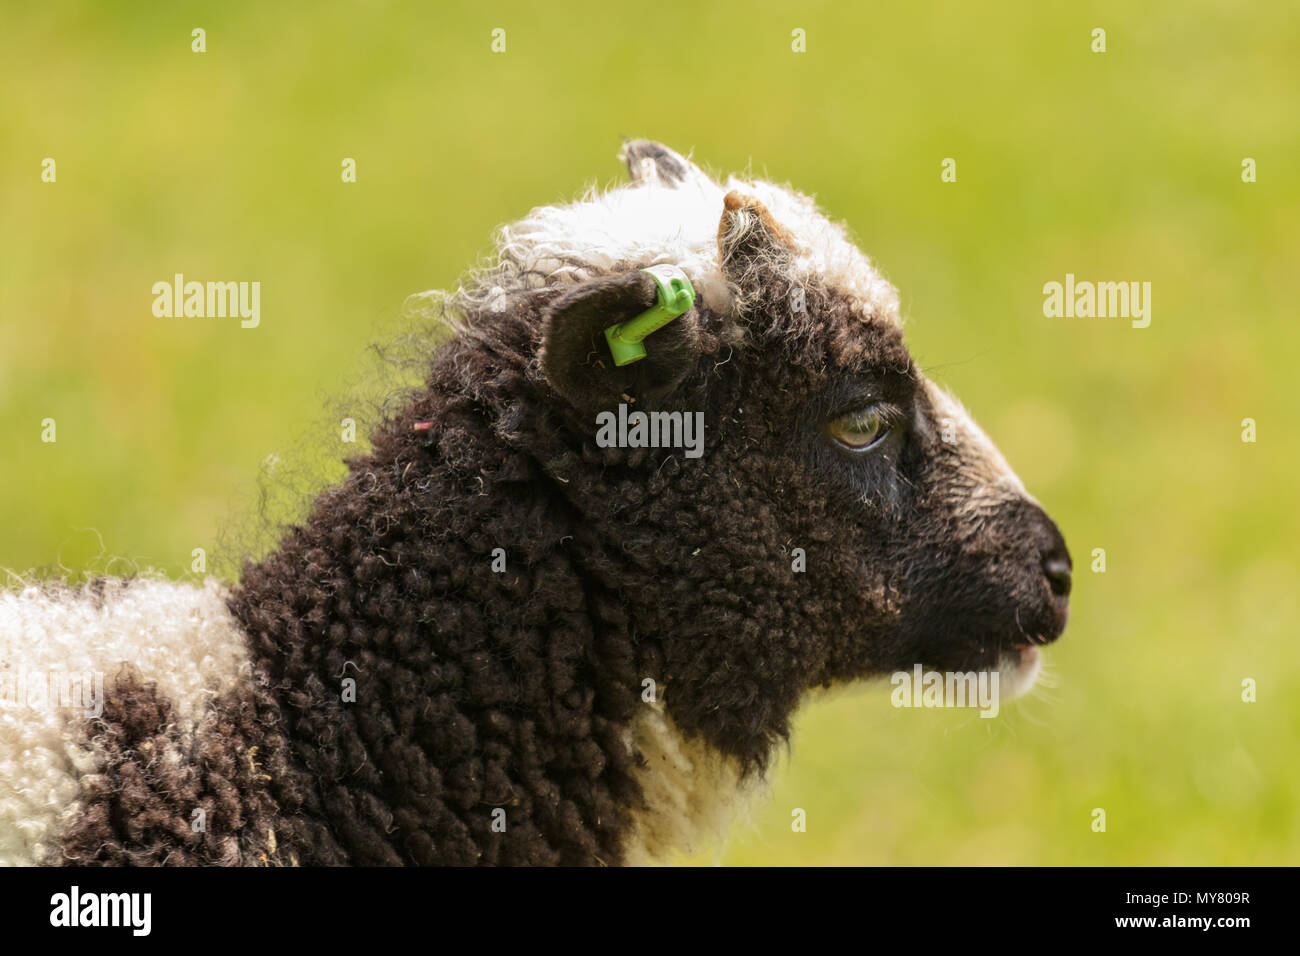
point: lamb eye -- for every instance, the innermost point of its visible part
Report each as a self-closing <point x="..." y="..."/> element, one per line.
<point x="858" y="431"/>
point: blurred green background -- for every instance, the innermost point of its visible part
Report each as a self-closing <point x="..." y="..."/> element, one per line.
<point x="1117" y="166"/>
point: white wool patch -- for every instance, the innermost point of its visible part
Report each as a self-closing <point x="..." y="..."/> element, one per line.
<point x="692" y="792"/>
<point x="182" y="637"/>
<point x="655" y="221"/>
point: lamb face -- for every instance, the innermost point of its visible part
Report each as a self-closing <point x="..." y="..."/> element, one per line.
<point x="920" y="545"/>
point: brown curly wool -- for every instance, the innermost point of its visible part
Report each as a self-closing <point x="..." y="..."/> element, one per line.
<point x="223" y="796"/>
<point x="475" y="690"/>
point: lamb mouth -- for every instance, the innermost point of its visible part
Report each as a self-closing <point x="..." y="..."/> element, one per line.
<point x="1018" y="670"/>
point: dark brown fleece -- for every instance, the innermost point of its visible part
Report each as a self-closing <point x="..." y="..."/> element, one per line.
<point x="227" y="796"/>
<point x="475" y="690"/>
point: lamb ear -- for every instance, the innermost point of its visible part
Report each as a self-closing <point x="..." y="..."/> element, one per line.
<point x="651" y="162"/>
<point x="750" y="241"/>
<point x="576" y="358"/>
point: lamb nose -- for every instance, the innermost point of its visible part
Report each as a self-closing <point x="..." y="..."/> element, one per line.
<point x="1057" y="570"/>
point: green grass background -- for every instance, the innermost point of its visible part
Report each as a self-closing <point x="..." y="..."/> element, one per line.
<point x="1124" y="166"/>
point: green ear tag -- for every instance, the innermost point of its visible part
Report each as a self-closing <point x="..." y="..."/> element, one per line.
<point x="676" y="296"/>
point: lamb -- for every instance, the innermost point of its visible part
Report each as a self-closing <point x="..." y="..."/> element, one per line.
<point x="499" y="641"/>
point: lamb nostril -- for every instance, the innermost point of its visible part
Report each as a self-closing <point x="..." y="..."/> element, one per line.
<point x="1058" y="575"/>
